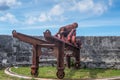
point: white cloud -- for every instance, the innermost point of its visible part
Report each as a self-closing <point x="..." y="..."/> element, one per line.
<point x="110" y="2"/>
<point x="56" y="11"/>
<point x="99" y="8"/>
<point x="35" y="19"/>
<point x="43" y="17"/>
<point x="82" y="7"/>
<point x="90" y="6"/>
<point x="31" y="20"/>
<point x="10" y="3"/>
<point x="8" y="18"/>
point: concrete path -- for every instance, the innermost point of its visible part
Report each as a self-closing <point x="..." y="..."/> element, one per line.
<point x="9" y="72"/>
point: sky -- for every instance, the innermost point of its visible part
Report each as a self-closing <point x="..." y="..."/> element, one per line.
<point x="33" y="17"/>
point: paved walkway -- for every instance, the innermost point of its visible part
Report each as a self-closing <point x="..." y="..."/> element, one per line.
<point x="9" y="72"/>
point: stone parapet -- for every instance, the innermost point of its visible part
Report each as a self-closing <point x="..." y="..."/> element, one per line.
<point x="96" y="52"/>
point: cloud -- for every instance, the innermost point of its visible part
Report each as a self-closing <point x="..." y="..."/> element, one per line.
<point x="6" y="4"/>
<point x="99" y="9"/>
<point x="96" y="7"/>
<point x="8" y="18"/>
<point x="31" y="20"/>
<point x="82" y="7"/>
<point x="35" y="19"/>
<point x="4" y="7"/>
<point x="110" y="2"/>
<point x="56" y="10"/>
<point x="91" y="6"/>
<point x="43" y="17"/>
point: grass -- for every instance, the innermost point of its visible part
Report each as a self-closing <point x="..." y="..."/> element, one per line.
<point x="50" y="72"/>
<point x="3" y="76"/>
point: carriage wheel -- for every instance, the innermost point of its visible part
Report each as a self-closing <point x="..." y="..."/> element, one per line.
<point x="60" y="74"/>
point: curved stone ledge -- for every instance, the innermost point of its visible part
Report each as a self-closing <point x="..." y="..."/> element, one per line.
<point x="9" y="72"/>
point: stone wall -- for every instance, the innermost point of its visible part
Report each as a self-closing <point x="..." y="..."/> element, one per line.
<point x="100" y="52"/>
<point x="96" y="52"/>
<point x="6" y="50"/>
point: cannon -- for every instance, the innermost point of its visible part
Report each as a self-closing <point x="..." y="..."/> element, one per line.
<point x="61" y="43"/>
<point x="68" y="34"/>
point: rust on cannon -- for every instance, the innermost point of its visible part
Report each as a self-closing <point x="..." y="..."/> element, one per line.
<point x="63" y="42"/>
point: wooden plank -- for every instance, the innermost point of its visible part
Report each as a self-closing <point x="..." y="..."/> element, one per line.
<point x="28" y="39"/>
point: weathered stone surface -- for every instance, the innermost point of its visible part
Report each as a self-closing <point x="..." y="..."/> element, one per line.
<point x="96" y="52"/>
<point x="101" y="52"/>
<point x="6" y="49"/>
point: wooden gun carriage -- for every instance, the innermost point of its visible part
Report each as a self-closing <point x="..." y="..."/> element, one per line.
<point x="63" y="42"/>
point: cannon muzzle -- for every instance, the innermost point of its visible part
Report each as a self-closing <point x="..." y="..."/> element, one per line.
<point x="71" y="26"/>
<point x="68" y="28"/>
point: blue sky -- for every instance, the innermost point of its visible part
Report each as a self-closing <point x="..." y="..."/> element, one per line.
<point x="33" y="17"/>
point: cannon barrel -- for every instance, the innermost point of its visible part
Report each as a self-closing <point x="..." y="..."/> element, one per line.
<point x="71" y="26"/>
<point x="68" y="28"/>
